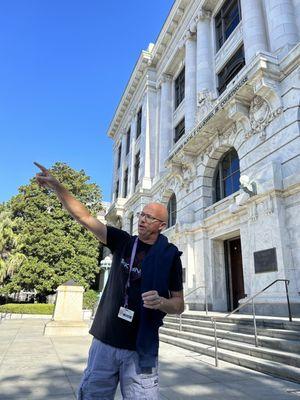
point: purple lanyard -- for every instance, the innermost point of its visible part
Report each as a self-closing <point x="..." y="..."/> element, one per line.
<point x="133" y="253"/>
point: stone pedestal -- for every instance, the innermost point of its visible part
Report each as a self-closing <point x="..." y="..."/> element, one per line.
<point x="68" y="316"/>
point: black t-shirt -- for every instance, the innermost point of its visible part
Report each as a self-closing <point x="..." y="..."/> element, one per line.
<point x="107" y="326"/>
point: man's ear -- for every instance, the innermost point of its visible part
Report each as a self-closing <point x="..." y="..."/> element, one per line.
<point x="164" y="225"/>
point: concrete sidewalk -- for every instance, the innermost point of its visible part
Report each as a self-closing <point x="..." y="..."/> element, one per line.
<point x="34" y="367"/>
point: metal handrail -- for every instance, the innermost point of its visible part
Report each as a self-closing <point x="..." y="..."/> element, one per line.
<point x="192" y="291"/>
<point x="251" y="299"/>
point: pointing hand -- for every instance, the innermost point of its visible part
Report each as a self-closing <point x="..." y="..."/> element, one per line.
<point x="44" y="178"/>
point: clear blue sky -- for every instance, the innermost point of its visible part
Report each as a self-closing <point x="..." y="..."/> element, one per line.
<point x="63" y="68"/>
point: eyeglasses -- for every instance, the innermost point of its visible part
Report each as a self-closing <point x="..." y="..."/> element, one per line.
<point x="148" y="218"/>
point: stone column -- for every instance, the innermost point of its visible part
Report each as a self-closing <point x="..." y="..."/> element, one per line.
<point x="158" y="95"/>
<point x="283" y="32"/>
<point x="132" y="153"/>
<point x="254" y="31"/>
<point x="165" y="128"/>
<point x="205" y="69"/>
<point x="122" y="166"/>
<point x="190" y="81"/>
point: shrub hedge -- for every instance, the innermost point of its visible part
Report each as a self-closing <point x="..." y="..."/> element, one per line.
<point x="90" y="298"/>
<point x="44" y="309"/>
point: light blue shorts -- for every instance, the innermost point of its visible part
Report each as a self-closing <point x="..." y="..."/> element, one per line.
<point x="107" y="366"/>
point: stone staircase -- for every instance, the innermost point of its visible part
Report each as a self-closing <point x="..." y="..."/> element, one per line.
<point x="278" y="353"/>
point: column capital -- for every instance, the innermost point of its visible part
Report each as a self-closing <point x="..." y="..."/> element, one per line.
<point x="165" y="78"/>
<point x="202" y="15"/>
<point x="189" y="35"/>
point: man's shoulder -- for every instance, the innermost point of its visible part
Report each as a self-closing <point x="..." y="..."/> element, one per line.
<point x="117" y="237"/>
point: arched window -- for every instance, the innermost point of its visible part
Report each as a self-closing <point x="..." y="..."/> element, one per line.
<point x="172" y="210"/>
<point x="227" y="178"/>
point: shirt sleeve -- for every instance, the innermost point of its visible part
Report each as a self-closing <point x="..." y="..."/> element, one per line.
<point x="175" y="282"/>
<point x="116" y="238"/>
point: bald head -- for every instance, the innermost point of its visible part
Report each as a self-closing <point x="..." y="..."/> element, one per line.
<point x="157" y="210"/>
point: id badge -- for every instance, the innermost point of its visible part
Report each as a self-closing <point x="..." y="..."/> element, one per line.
<point x="126" y="314"/>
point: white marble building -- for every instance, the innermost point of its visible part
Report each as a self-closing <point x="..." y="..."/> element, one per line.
<point x="216" y="98"/>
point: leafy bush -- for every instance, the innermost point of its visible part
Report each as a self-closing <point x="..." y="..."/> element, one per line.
<point x="90" y="298"/>
<point x="44" y="309"/>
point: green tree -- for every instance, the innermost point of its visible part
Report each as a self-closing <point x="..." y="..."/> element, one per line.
<point x="56" y="247"/>
<point x="10" y="256"/>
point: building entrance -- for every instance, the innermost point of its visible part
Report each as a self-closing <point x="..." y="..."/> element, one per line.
<point x="234" y="272"/>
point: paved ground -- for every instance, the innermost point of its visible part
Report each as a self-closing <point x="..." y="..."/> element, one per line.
<point x="34" y="367"/>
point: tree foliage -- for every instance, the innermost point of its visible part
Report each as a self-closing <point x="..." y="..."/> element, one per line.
<point x="56" y="247"/>
<point x="11" y="257"/>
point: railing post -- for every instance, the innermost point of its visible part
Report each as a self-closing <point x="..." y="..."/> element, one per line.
<point x="216" y="343"/>
<point x="288" y="299"/>
<point x="254" y="322"/>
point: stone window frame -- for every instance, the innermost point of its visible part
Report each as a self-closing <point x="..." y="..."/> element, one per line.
<point x="179" y="130"/>
<point x="179" y="88"/>
<point x="218" y="180"/>
<point x="172" y="211"/>
<point x="221" y="34"/>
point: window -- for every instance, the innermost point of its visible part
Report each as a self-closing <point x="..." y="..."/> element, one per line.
<point x="227" y="179"/>
<point x="172" y="211"/>
<point x="128" y="141"/>
<point x="226" y="21"/>
<point x="139" y="123"/>
<point x="136" y="168"/>
<point x="119" y="155"/>
<point x="131" y="225"/>
<point x="232" y="67"/>
<point x="179" y="130"/>
<point x="179" y="88"/>
<point x="117" y="189"/>
<point x="125" y="188"/>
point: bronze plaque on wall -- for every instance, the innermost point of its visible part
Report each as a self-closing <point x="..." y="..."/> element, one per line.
<point x="265" y="260"/>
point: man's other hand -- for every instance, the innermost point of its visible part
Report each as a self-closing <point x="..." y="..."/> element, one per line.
<point x="152" y="300"/>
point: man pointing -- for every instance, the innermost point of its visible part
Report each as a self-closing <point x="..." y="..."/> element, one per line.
<point x="144" y="284"/>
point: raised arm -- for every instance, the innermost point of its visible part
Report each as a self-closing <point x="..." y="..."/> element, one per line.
<point x="75" y="208"/>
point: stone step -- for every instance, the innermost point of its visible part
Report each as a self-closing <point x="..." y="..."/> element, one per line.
<point x="244" y="320"/>
<point x="266" y="366"/>
<point x="242" y="328"/>
<point x="292" y="346"/>
<point x="244" y="348"/>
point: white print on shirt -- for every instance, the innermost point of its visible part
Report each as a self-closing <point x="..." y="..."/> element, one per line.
<point x="135" y="271"/>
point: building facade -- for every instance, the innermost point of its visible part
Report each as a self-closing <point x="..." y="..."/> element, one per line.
<point x="209" y="125"/>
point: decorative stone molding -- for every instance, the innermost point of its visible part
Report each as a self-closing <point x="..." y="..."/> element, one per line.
<point x="239" y="112"/>
<point x="188" y="169"/>
<point x="165" y="78"/>
<point x="183" y="168"/>
<point x="269" y="206"/>
<point x="253" y="214"/>
<point x="268" y="88"/>
<point x="205" y="103"/>
<point x="225" y="135"/>
<point x="202" y="14"/>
